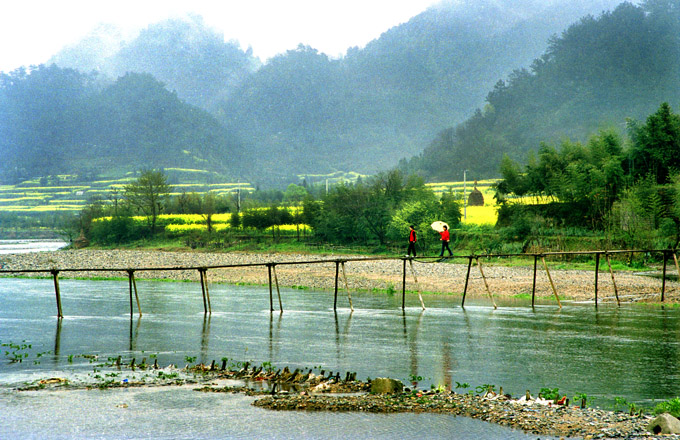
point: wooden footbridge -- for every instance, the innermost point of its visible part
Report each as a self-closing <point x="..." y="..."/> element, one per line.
<point x="340" y="270"/>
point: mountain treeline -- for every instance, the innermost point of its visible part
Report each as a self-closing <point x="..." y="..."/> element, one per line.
<point x="61" y="121"/>
<point x="598" y="73"/>
<point x="302" y="112"/>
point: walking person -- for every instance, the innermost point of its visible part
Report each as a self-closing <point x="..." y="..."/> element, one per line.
<point x="412" y="242"/>
<point x="445" y="237"/>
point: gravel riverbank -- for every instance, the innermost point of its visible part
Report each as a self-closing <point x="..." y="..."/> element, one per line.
<point x="447" y="277"/>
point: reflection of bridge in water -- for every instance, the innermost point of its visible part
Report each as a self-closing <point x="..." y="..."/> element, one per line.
<point x="340" y="270"/>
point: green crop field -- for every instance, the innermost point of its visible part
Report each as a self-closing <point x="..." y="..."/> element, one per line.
<point x="67" y="193"/>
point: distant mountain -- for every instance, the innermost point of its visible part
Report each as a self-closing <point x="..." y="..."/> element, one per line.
<point x="305" y="113"/>
<point x="592" y="76"/>
<point x="59" y="121"/>
<point x="189" y="57"/>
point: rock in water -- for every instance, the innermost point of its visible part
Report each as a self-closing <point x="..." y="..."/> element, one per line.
<point x="384" y="385"/>
<point x="664" y="424"/>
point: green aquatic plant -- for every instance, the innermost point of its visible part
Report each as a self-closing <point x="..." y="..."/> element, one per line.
<point x="549" y="393"/>
<point x="581" y="398"/>
<point x="671" y="406"/>
<point x="485" y="387"/>
<point x="463" y="385"/>
<point x="16" y="352"/>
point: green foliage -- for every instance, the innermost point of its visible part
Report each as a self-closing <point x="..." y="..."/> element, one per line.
<point x="590" y="76"/>
<point x="671" y="406"/>
<point x="148" y="193"/>
<point x="549" y="393"/>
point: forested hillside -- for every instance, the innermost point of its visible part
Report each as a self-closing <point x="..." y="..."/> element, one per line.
<point x="57" y="120"/>
<point x="388" y="100"/>
<point x="597" y="73"/>
<point x="305" y="113"/>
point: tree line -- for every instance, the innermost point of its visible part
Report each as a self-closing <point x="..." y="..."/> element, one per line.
<point x="376" y="210"/>
<point x="630" y="191"/>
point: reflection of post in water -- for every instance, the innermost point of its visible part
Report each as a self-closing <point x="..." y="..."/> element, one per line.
<point x="271" y="333"/>
<point x="134" y="332"/>
<point x="205" y="338"/>
<point x="57" y="341"/>
<point x="345" y="333"/>
<point x="413" y="345"/>
<point x="447" y="365"/>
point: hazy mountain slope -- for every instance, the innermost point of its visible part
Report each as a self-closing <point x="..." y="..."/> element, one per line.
<point x="56" y="121"/>
<point x="593" y="76"/>
<point x="307" y="113"/>
<point x="189" y="57"/>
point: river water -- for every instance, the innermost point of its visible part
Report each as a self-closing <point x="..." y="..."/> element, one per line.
<point x="21" y="246"/>
<point x="630" y="352"/>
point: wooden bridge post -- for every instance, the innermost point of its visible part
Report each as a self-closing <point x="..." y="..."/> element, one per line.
<point x="133" y="286"/>
<point x="486" y="284"/>
<point x="415" y="278"/>
<point x="278" y="291"/>
<point x="207" y="291"/>
<point x="611" y="272"/>
<point x="271" y="297"/>
<point x="545" y="265"/>
<point x="467" y="278"/>
<point x="677" y="267"/>
<point x="205" y="303"/>
<point x="349" y="294"/>
<point x="337" y="273"/>
<point x="663" y="276"/>
<point x="533" y="288"/>
<point x="55" y="276"/>
<point x="403" y="286"/>
<point x="597" y="270"/>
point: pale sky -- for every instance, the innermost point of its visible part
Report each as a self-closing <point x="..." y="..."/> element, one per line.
<point x="31" y="31"/>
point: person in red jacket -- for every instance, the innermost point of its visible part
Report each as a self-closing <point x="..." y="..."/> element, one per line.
<point x="445" y="241"/>
<point x="411" y="242"/>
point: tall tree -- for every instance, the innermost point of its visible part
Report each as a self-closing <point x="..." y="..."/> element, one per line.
<point x="148" y="193"/>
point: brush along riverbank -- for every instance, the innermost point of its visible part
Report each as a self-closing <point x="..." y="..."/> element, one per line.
<point x="446" y="277"/>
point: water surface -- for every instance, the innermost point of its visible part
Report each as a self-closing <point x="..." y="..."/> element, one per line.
<point x="629" y="352"/>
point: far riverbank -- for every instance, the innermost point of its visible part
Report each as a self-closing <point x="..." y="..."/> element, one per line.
<point x="447" y="277"/>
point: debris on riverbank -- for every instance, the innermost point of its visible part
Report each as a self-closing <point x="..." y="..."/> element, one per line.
<point x="299" y="390"/>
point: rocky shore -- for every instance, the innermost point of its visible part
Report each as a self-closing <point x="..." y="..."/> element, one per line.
<point x="285" y="390"/>
<point x="446" y="277"/>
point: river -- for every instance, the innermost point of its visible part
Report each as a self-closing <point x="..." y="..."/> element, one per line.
<point x="629" y="352"/>
<point x="21" y="246"/>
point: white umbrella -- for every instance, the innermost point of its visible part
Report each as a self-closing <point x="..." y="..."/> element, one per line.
<point x="439" y="226"/>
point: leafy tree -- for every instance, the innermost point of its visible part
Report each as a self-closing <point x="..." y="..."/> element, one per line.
<point x="294" y="193"/>
<point x="656" y="148"/>
<point x="148" y="193"/>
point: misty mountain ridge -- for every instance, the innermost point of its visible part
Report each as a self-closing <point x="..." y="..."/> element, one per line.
<point x="303" y="112"/>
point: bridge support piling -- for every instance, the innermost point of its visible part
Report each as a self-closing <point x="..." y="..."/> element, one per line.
<point x="486" y="284"/>
<point x="545" y="265"/>
<point x="278" y="291"/>
<point x="533" y="288"/>
<point x="611" y="272"/>
<point x="271" y="297"/>
<point x="403" y="286"/>
<point x="55" y="277"/>
<point x="349" y="294"/>
<point x="133" y="286"/>
<point x="415" y="278"/>
<point x="337" y="273"/>
<point x="663" y="276"/>
<point x="467" y="278"/>
<point x="597" y="271"/>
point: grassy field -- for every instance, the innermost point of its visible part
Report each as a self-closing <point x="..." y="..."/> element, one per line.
<point x="67" y="193"/>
